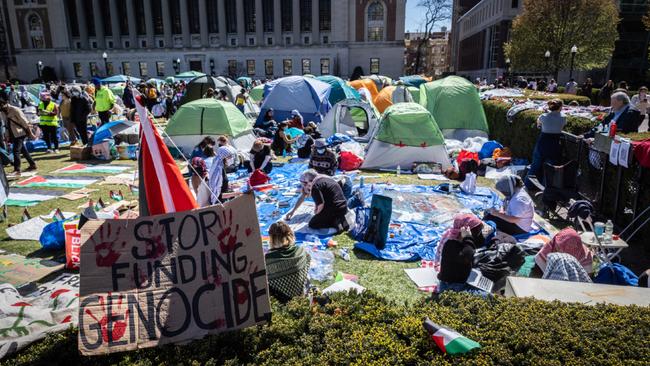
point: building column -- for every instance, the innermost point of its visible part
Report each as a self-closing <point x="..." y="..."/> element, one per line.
<point x="203" y="14"/>
<point x="115" y="25"/>
<point x="185" y="24"/>
<point x="296" y="21"/>
<point x="221" y="13"/>
<point x="148" y="17"/>
<point x="133" y="33"/>
<point x="99" y="25"/>
<point x="241" y="32"/>
<point x="277" y="22"/>
<point x="315" y="24"/>
<point x="259" y="23"/>
<point x="83" y="28"/>
<point x="167" y="23"/>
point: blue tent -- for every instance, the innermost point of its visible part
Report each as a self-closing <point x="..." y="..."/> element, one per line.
<point x="110" y="129"/>
<point x="340" y="89"/>
<point x="245" y="81"/>
<point x="307" y="95"/>
<point x="413" y="80"/>
<point x="120" y="79"/>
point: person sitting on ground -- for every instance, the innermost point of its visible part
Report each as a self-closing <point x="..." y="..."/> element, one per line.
<point x="517" y="218"/>
<point x="547" y="148"/>
<point x="303" y="145"/>
<point x="330" y="203"/>
<point x="323" y="159"/>
<point x="564" y="267"/>
<point x="566" y="241"/>
<point x="296" y="120"/>
<point x="260" y="158"/>
<point x="552" y="86"/>
<point x="287" y="265"/>
<point x="198" y="149"/>
<point x="281" y="141"/>
<point x="457" y="254"/>
<point x="232" y="162"/>
<point x="267" y="126"/>
<point x="312" y="130"/>
<point x="626" y="117"/>
<point x="571" y="87"/>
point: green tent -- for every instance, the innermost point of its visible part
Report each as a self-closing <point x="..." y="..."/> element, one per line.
<point x="257" y="93"/>
<point x="455" y="104"/>
<point x="340" y="89"/>
<point x="415" y="93"/>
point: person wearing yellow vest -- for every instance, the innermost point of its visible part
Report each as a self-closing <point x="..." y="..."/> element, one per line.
<point x="104" y="101"/>
<point x="49" y="121"/>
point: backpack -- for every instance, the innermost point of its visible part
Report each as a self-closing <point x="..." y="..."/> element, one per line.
<point x="381" y="209"/>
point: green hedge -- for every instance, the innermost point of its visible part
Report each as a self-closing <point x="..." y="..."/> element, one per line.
<point x="368" y="330"/>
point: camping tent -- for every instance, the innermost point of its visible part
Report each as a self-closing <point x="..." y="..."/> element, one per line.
<point x="414" y="80"/>
<point x="257" y="93"/>
<point x="188" y="75"/>
<point x="415" y="93"/>
<point x="309" y="96"/>
<point x="365" y="83"/>
<point x="350" y="117"/>
<point x="245" y="81"/>
<point x="455" y="104"/>
<point x="208" y="117"/>
<point x="391" y="95"/>
<point x="197" y="88"/>
<point x="340" y="89"/>
<point x="379" y="80"/>
<point x="407" y="133"/>
<point x="120" y="79"/>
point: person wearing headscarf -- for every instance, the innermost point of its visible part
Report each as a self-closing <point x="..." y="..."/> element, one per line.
<point x="296" y="120"/>
<point x="49" y="121"/>
<point x="287" y="265"/>
<point x="218" y="180"/>
<point x="456" y="253"/>
<point x="564" y="267"/>
<point x="566" y="241"/>
<point x="517" y="217"/>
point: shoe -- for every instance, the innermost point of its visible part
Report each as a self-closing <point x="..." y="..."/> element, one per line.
<point x="31" y="168"/>
<point x="56" y="151"/>
<point x="48" y="151"/>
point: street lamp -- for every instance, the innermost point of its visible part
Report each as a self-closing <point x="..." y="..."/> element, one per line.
<point x="547" y="57"/>
<point x="105" y="57"/>
<point x="39" y="69"/>
<point x="212" y="66"/>
<point x="508" y="71"/>
<point x="574" y="50"/>
<point x="178" y="65"/>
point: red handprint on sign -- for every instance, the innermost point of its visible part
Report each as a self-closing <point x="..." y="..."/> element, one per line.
<point x="106" y="245"/>
<point x="155" y="248"/>
<point x="118" y="327"/>
<point x="228" y="237"/>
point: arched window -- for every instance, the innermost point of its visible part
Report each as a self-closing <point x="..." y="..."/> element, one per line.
<point x="376" y="21"/>
<point x="36" y="31"/>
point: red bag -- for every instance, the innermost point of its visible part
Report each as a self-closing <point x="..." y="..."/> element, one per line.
<point x="464" y="154"/>
<point x="72" y="246"/>
<point x="258" y="178"/>
<point x="350" y="161"/>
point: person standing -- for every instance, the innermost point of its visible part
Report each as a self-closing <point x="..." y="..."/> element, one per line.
<point x="606" y="93"/>
<point x="64" y="108"/>
<point x="80" y="107"/>
<point x="49" y="122"/>
<point x="104" y="101"/>
<point x="240" y="100"/>
<point x="127" y="96"/>
<point x="587" y="89"/>
<point x="640" y="101"/>
<point x="547" y="148"/>
<point x="17" y="130"/>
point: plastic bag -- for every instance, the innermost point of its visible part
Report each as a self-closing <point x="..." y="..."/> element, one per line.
<point x="53" y="236"/>
<point x="474" y="144"/>
<point x="349" y="161"/>
<point x="322" y="265"/>
<point x="469" y="184"/>
<point x="353" y="147"/>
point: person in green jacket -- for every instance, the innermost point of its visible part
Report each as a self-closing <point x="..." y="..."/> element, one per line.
<point x="49" y="121"/>
<point x="104" y="101"/>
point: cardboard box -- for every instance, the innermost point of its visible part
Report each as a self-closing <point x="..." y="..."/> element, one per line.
<point x="80" y="152"/>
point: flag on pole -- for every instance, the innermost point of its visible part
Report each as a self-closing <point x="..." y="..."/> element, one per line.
<point x="449" y="341"/>
<point x="26" y="216"/>
<point x="164" y="189"/>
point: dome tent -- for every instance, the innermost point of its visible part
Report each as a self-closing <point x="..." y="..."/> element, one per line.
<point x="307" y="95"/>
<point x="209" y="117"/>
<point x="455" y="104"/>
<point x="257" y="93"/>
<point x="392" y="95"/>
<point x="365" y="83"/>
<point x="197" y="88"/>
<point x="407" y="133"/>
<point x="350" y="117"/>
<point x="340" y="89"/>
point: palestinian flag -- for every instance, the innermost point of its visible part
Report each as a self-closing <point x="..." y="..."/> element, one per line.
<point x="83" y="168"/>
<point x="38" y="181"/>
<point x="448" y="340"/>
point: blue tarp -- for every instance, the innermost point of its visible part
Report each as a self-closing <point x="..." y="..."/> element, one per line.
<point x="413" y="80"/>
<point x="307" y="95"/>
<point x="108" y="130"/>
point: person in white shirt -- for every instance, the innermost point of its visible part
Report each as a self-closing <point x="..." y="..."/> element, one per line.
<point x="571" y="87"/>
<point x="517" y="218"/>
<point x="640" y="101"/>
<point x="552" y="86"/>
<point x="232" y="161"/>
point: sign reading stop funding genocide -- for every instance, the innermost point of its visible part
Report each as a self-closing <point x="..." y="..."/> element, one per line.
<point x="171" y="278"/>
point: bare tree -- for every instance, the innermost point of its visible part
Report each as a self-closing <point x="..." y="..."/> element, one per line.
<point x="435" y="11"/>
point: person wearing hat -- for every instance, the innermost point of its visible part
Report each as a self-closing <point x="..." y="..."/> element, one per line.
<point x="49" y="121"/>
<point x="17" y="130"/>
<point x="296" y="120"/>
<point x="323" y="159"/>
<point x="104" y="101"/>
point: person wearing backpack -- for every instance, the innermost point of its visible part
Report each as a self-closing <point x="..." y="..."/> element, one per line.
<point x="17" y="130"/>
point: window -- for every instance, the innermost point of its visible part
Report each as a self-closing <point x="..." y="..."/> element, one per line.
<point x="269" y="41"/>
<point x="143" y="43"/>
<point x="326" y="39"/>
<point x="127" y="44"/>
<point x="287" y="41"/>
<point x="324" y="66"/>
<point x="231" y="16"/>
<point x="233" y="42"/>
<point x="105" y="13"/>
<point x="72" y="16"/>
<point x="160" y="68"/>
<point x="109" y="69"/>
<point x="88" y="14"/>
<point x="213" y="17"/>
<point x="36" y="31"/>
<point x="251" y="41"/>
<point x="515" y="4"/>
<point x="126" y="68"/>
<point x="268" y="67"/>
<point x="287" y="66"/>
<point x="93" y="69"/>
<point x="249" y="16"/>
<point x="306" y="40"/>
<point x="161" y="43"/>
<point x="325" y="15"/>
<point x="77" y="69"/>
<point x="374" y="66"/>
<point x="306" y="66"/>
<point x="94" y="44"/>
<point x="141" y="25"/>
<point x="143" y="68"/>
<point x="250" y="67"/>
<point x="287" y="15"/>
<point x="110" y="44"/>
<point x="267" y="15"/>
<point x="194" y="16"/>
<point x="124" y="19"/>
<point x="305" y="15"/>
<point x="158" y="25"/>
<point x="232" y="67"/>
<point x="175" y="11"/>
<point x="78" y="45"/>
<point x="376" y="22"/>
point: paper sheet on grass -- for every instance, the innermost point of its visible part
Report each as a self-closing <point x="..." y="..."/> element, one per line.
<point x="124" y="178"/>
<point x="494" y="173"/>
<point x="19" y="270"/>
<point x="299" y="223"/>
<point x="28" y="230"/>
<point x="439" y="177"/>
<point x="423" y="277"/>
<point x="344" y="286"/>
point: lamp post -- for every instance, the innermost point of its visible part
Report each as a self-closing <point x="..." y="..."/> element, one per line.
<point x="39" y="69"/>
<point x="212" y="66"/>
<point x="508" y="71"/>
<point x="547" y="57"/>
<point x="105" y="57"/>
<point x="574" y="50"/>
<point x="178" y="65"/>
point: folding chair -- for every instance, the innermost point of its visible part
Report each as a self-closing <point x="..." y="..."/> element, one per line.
<point x="559" y="186"/>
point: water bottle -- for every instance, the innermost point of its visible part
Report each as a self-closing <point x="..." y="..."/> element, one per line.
<point x="399" y="170"/>
<point x="609" y="230"/>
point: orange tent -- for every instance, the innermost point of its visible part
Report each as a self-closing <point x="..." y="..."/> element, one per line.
<point x="384" y="99"/>
<point x="365" y="83"/>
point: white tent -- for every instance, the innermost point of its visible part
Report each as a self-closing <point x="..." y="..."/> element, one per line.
<point x="351" y="117"/>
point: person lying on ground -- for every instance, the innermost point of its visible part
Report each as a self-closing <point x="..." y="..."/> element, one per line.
<point x="287" y="265"/>
<point x="330" y="203"/>
<point x="323" y="159"/>
<point x="517" y="218"/>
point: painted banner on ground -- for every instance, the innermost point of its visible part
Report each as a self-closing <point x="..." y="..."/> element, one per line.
<point x="171" y="278"/>
<point x="53" y="307"/>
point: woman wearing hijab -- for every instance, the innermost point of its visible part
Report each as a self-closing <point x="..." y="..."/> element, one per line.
<point x="517" y="218"/>
<point x="296" y="120"/>
<point x="456" y="254"/>
<point x="564" y="267"/>
<point x="566" y="241"/>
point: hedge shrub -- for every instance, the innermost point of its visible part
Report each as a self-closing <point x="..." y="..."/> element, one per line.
<point x="368" y="330"/>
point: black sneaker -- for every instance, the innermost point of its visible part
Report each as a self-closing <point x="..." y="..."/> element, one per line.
<point x="31" y="168"/>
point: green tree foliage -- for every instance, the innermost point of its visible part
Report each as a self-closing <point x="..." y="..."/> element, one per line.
<point x="558" y="25"/>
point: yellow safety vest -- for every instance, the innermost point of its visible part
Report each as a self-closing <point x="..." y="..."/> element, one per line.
<point x="48" y="120"/>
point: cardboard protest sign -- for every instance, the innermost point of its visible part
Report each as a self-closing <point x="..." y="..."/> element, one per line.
<point x="171" y="278"/>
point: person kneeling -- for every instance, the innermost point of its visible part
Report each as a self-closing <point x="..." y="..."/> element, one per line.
<point x="287" y="265"/>
<point x="331" y="205"/>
